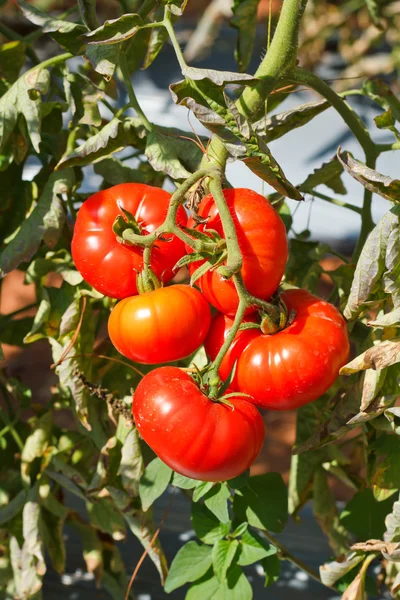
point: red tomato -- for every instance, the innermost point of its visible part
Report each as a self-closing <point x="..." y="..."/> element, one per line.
<point x="298" y="364"/>
<point x="107" y="265"/>
<point x="161" y="326"/>
<point x="219" y="329"/>
<point x="192" y="434"/>
<point x="262" y="239"/>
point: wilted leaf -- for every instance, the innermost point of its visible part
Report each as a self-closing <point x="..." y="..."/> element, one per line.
<point x="328" y="174"/>
<point x="104" y="59"/>
<point x="92" y="546"/>
<point x="170" y="154"/>
<point x="131" y="465"/>
<point x="244" y="19"/>
<point x="36" y="444"/>
<point x="392" y="522"/>
<point x="158" y="37"/>
<point x="115" y="30"/>
<point x="23" y="98"/>
<point x="388" y="320"/>
<point x="355" y="591"/>
<point x="332" y="571"/>
<point x="393" y="416"/>
<point x="372" y="262"/>
<point x="52" y="528"/>
<point x="104" y="515"/>
<point x="380" y="184"/>
<point x="378" y="357"/>
<point x="220" y="78"/>
<point x="64" y="33"/>
<point x="278" y="125"/>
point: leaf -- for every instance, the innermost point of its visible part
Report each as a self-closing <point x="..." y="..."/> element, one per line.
<point x="378" y="357"/>
<point x="328" y="174"/>
<point x="207" y="527"/>
<point x="107" y="518"/>
<point x="36" y="443"/>
<point x="216" y="500"/>
<point x="104" y="59"/>
<point x="191" y="562"/>
<point x="333" y="571"/>
<point x="201" y="488"/>
<point x="244" y="19"/>
<point x="375" y="10"/>
<point x="23" y="98"/>
<point x="236" y="587"/>
<point x="272" y="568"/>
<point x="223" y="554"/>
<point x="219" y="78"/>
<point x="393" y="416"/>
<point x="45" y="222"/>
<point x="158" y="37"/>
<point x="166" y="153"/>
<point x="154" y="482"/>
<point x="63" y="32"/>
<point x="278" y="125"/>
<point x="392" y="523"/>
<point x="254" y="548"/>
<point x="10" y="510"/>
<point x="388" y="320"/>
<point x="355" y="591"/>
<point x="263" y="502"/>
<point x="364" y="516"/>
<point x="115" y="171"/>
<point x="12" y="59"/>
<point x="386" y="473"/>
<point x="114" y="30"/>
<point x="91" y="546"/>
<point x="372" y="263"/>
<point x="51" y="528"/>
<point x="131" y="465"/>
<point x="374" y="181"/>
<point x="113" y="137"/>
<point x="182" y="482"/>
<point x="325" y="511"/>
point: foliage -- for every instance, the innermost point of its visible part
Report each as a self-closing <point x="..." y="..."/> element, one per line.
<point x="65" y="115"/>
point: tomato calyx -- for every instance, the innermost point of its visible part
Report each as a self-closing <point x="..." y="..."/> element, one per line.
<point x="277" y="318"/>
<point x="124" y="224"/>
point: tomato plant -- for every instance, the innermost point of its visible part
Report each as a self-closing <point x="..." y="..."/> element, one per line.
<point x="164" y="325"/>
<point x="106" y="263"/>
<point x="195" y="436"/>
<point x="262" y="241"/>
<point x="267" y="184"/>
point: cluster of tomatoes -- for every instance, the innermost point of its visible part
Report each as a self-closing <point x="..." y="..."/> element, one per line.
<point x="198" y="436"/>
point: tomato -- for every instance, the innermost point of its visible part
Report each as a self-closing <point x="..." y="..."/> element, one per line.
<point x="219" y="329"/>
<point x="262" y="240"/>
<point x="298" y="364"/>
<point x="107" y="265"/>
<point x="192" y="434"/>
<point x="160" y="326"/>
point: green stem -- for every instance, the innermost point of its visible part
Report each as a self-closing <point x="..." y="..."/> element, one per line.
<point x="280" y="58"/>
<point x="132" y="97"/>
<point x="171" y="32"/>
<point x="287" y="555"/>
<point x="51" y="62"/>
<point x="346" y="112"/>
<point x="356" y="209"/>
<point x="387" y="147"/>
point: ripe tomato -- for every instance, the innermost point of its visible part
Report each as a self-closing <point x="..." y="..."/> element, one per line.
<point x="160" y="326"/>
<point x="192" y="434"/>
<point x="107" y="265"/>
<point x="220" y="326"/>
<point x="298" y="364"/>
<point x="262" y="239"/>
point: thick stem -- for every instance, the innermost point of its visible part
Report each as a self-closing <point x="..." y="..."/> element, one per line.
<point x="171" y="32"/>
<point x="349" y="116"/>
<point x="280" y="58"/>
<point x="51" y="62"/>
<point x="131" y="94"/>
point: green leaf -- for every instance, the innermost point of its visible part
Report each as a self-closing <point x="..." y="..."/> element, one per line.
<point x="115" y="171"/>
<point x="158" y="37"/>
<point x="365" y="517"/>
<point x="223" y="553"/>
<point x="272" y="568"/>
<point x="328" y="174"/>
<point x="10" y="510"/>
<point x="23" y="98"/>
<point x="380" y="184"/>
<point x="114" y="136"/>
<point x="63" y="32"/>
<point x="331" y="572"/>
<point x="207" y="527"/>
<point x="182" y="482"/>
<point x="263" y="502"/>
<point x="325" y="511"/>
<point x="236" y="587"/>
<point x="154" y="482"/>
<point x="107" y="518"/>
<point x="91" y="546"/>
<point x="244" y="19"/>
<point x="191" y="562"/>
<point x="201" y="488"/>
<point x="372" y="262"/>
<point x="382" y="95"/>
<point x="51" y="528"/>
<point x="115" y="30"/>
<point x="104" y="59"/>
<point x="170" y="155"/>
<point x="240" y="481"/>
<point x="254" y="548"/>
<point x="375" y="10"/>
<point x="131" y="465"/>
<point x="12" y="59"/>
<point x="36" y="443"/>
<point x="386" y="473"/>
<point x="44" y="223"/>
<point x="216" y="500"/>
<point x="393" y="416"/>
<point x="278" y="125"/>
